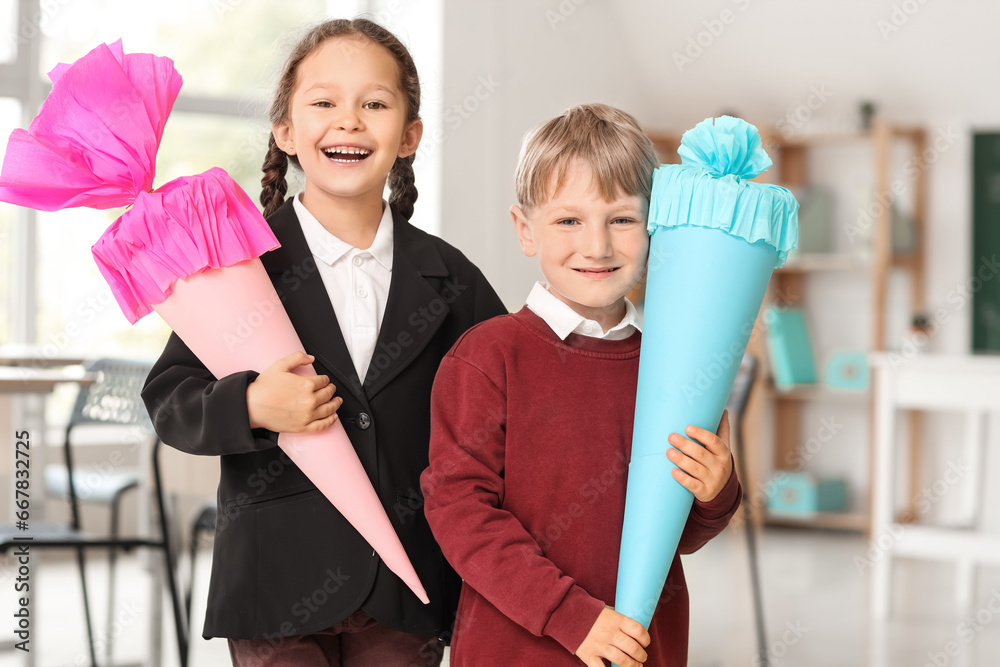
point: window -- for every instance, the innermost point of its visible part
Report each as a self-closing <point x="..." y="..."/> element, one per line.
<point x="222" y="48"/>
<point x="222" y="72"/>
<point x="12" y="32"/>
<point x="10" y="117"/>
<point x="228" y="52"/>
<point x="76" y="311"/>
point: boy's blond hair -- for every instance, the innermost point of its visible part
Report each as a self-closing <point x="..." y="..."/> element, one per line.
<point x="621" y="156"/>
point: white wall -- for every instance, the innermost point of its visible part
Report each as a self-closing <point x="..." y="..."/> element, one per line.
<point x="508" y="69"/>
<point x="922" y="62"/>
<point x="419" y="25"/>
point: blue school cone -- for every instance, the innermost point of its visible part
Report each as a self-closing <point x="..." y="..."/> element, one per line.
<point x="715" y="239"/>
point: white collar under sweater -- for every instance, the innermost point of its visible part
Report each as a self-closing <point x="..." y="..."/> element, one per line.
<point x="563" y="320"/>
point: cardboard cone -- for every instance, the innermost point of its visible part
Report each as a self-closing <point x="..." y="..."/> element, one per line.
<point x="716" y="238"/>
<point x="692" y="342"/>
<point x="233" y="320"/>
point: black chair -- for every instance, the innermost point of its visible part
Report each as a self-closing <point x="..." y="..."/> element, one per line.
<point x="95" y="486"/>
<point x="204" y="523"/>
<point x="112" y="399"/>
<point x="739" y="396"/>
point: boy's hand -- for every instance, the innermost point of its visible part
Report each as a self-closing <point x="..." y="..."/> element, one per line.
<point x="281" y="401"/>
<point x="615" y="637"/>
<point x="703" y="471"/>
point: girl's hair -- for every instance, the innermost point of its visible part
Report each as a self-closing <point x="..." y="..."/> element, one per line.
<point x="621" y="156"/>
<point x="403" y="189"/>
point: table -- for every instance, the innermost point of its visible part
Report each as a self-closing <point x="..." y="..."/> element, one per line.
<point x="29" y="380"/>
<point x="32" y="385"/>
<point x="33" y="356"/>
<point x="969" y="385"/>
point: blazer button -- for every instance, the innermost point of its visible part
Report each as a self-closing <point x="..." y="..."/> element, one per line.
<point x="364" y="420"/>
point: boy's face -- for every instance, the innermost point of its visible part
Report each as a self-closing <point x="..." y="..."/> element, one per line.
<point x="591" y="251"/>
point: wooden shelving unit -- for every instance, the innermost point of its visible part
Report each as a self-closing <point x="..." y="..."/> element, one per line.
<point x="824" y="262"/>
<point x="851" y="521"/>
<point x="811" y="392"/>
<point x="791" y="157"/>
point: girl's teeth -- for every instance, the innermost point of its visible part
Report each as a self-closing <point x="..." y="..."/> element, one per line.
<point x="335" y="153"/>
<point x="353" y="151"/>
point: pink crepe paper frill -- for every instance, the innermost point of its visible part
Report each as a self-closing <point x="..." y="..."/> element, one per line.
<point x="94" y="144"/>
<point x="95" y="139"/>
<point x="189" y="225"/>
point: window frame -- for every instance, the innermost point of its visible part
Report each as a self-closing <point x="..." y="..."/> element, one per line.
<point x="19" y="79"/>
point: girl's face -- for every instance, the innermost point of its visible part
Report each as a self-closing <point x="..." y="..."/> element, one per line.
<point x="347" y="121"/>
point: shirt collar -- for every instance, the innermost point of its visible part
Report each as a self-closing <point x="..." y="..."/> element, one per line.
<point x="563" y="320"/>
<point x="329" y="249"/>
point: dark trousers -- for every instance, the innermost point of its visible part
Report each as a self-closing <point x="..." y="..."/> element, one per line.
<point x="357" y="641"/>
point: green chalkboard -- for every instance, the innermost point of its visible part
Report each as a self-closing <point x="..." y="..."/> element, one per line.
<point x="984" y="281"/>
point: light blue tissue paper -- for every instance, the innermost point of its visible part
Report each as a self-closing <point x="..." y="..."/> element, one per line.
<point x="712" y="188"/>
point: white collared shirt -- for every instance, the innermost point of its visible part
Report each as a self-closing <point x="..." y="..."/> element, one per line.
<point x="563" y="320"/>
<point x="356" y="280"/>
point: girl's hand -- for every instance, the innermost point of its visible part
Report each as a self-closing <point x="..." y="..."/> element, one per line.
<point x="281" y="401"/>
<point x="614" y="637"/>
<point x="703" y="471"/>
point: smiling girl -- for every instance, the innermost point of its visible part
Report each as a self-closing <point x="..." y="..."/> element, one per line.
<point x="292" y="581"/>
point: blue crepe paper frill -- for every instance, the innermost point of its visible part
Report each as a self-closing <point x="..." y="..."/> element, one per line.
<point x="711" y="187"/>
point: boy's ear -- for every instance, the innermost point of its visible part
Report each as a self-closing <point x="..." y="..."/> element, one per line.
<point x="523" y="229"/>
<point x="282" y="132"/>
<point x="411" y="138"/>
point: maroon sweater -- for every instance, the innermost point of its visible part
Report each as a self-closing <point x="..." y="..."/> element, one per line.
<point x="530" y="442"/>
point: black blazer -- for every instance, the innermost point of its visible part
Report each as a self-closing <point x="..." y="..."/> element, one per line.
<point x="286" y="562"/>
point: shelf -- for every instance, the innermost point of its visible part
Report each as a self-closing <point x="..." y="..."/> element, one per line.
<point x="834" y="262"/>
<point x="841" y="138"/>
<point x="907" y="261"/>
<point x="820" y="138"/>
<point x="852" y="521"/>
<point x="911" y="133"/>
<point x="811" y="392"/>
<point x="771" y="137"/>
<point x="810" y="262"/>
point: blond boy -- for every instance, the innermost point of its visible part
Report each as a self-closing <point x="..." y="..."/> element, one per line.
<point x="531" y="423"/>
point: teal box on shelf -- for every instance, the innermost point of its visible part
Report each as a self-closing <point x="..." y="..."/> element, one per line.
<point x="789" y="348"/>
<point x="801" y="493"/>
<point x="847" y="370"/>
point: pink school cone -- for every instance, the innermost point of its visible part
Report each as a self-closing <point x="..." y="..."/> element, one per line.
<point x="241" y="297"/>
<point x="94" y="144"/>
